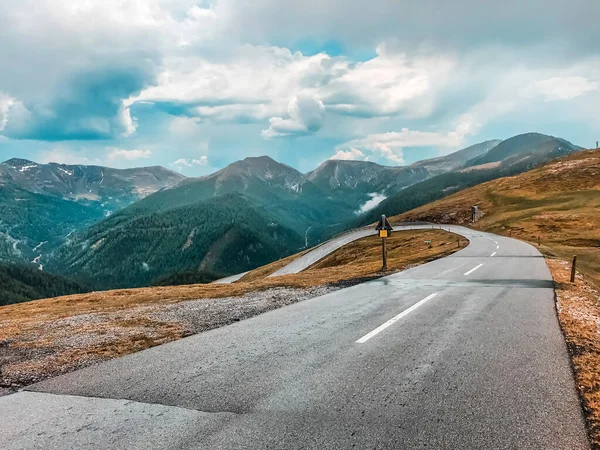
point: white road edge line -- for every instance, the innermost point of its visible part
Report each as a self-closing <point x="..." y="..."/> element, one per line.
<point x="380" y="328"/>
<point x="493" y="254"/>
<point x="472" y="270"/>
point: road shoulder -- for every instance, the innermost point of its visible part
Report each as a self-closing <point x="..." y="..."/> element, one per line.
<point x="578" y="308"/>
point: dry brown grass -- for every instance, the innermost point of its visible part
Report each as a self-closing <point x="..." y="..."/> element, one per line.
<point x="559" y="202"/>
<point x="578" y="306"/>
<point x="53" y="336"/>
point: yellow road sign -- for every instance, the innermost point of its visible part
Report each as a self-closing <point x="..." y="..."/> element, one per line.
<point x="383" y="233"/>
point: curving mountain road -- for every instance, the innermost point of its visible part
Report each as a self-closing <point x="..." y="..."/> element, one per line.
<point x="321" y="251"/>
<point x="462" y="352"/>
<point x="308" y="259"/>
<point x="230" y="279"/>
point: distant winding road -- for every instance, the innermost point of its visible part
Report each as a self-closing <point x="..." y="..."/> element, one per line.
<point x="464" y="352"/>
<point x="308" y="259"/>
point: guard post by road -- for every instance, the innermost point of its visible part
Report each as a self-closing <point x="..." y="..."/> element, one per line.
<point x="385" y="231"/>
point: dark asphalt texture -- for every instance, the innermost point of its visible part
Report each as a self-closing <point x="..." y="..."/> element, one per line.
<point x="482" y="365"/>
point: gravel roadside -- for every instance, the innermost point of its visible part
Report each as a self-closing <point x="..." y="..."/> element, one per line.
<point x="86" y="339"/>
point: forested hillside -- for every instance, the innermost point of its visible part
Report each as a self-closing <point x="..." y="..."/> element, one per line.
<point x="224" y="235"/>
<point x="42" y="204"/>
<point x="21" y="283"/>
<point x="31" y="223"/>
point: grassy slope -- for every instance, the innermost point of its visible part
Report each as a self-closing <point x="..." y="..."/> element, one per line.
<point x="559" y="202"/>
<point x="120" y="322"/>
<point x="224" y="235"/>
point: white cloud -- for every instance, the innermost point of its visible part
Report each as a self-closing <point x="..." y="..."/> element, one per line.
<point x="183" y="126"/>
<point x="389" y="84"/>
<point x="460" y="23"/>
<point x="561" y="88"/>
<point x="389" y="145"/>
<point x="306" y="114"/>
<point x="376" y="199"/>
<point x="92" y="63"/>
<point x="183" y="163"/>
<point x="257" y="83"/>
<point x="250" y="83"/>
<point x="118" y="154"/>
<point x="353" y="154"/>
<point x="5" y="103"/>
<point x="109" y="156"/>
<point x="63" y="155"/>
<point x="85" y="58"/>
<point x="393" y="155"/>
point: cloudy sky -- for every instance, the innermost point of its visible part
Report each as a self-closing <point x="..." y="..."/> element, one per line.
<point x="194" y="85"/>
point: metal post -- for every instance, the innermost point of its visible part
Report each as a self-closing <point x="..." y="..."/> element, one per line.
<point x="458" y="242"/>
<point x="538" y="240"/>
<point x="384" y="255"/>
<point x="573" y="270"/>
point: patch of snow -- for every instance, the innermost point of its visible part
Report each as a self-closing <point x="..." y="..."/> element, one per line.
<point x="39" y="245"/>
<point x="335" y="175"/>
<point x="36" y="260"/>
<point x="24" y="168"/>
<point x="376" y="199"/>
<point x="293" y="187"/>
<point x="68" y="172"/>
<point x="189" y="241"/>
<point x="144" y="191"/>
<point x="306" y="237"/>
<point x="98" y="243"/>
<point x="145" y="266"/>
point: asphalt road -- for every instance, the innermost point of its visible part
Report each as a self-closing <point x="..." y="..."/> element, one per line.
<point x="320" y="252"/>
<point x="230" y="279"/>
<point x="308" y="259"/>
<point x="462" y="353"/>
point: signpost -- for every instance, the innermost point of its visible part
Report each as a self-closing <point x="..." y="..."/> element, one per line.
<point x="385" y="231"/>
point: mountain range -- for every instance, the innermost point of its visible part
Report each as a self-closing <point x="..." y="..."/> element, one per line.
<point x="251" y="212"/>
<point x="105" y="188"/>
<point x="456" y="160"/>
<point x="42" y="204"/>
<point x="510" y="157"/>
